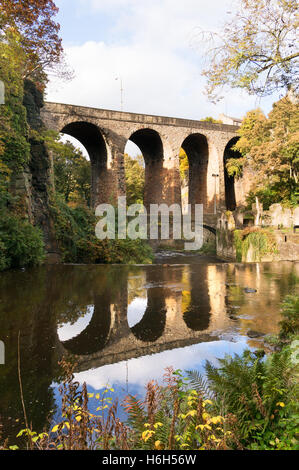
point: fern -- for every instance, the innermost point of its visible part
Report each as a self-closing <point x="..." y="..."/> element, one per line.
<point x="248" y="387"/>
<point x="199" y="383"/>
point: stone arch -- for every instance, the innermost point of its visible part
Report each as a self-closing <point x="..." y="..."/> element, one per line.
<point x="92" y="138"/>
<point x="150" y="143"/>
<point x="96" y="335"/>
<point x="210" y="229"/>
<point x="197" y="150"/>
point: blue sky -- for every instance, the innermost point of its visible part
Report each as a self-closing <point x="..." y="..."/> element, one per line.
<point x="151" y="46"/>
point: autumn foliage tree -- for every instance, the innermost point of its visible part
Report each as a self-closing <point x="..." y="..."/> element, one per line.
<point x="257" y="49"/>
<point x="31" y="25"/>
<point x="135" y="179"/>
<point x="270" y="145"/>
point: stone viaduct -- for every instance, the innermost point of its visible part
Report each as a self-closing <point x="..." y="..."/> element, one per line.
<point x="105" y="134"/>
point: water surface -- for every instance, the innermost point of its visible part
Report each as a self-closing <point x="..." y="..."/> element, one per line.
<point x="123" y="325"/>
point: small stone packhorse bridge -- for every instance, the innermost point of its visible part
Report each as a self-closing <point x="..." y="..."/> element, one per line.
<point x="105" y="134"/>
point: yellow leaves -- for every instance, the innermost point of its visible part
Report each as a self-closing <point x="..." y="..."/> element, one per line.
<point x="100" y="408"/>
<point x="5" y="172"/>
<point x="159" y="445"/>
<point x="207" y="402"/>
<point x="216" y="420"/>
<point x="60" y="427"/>
<point x="55" y="428"/>
<point x="146" y="435"/>
<point x="281" y="404"/>
<point x="214" y="438"/>
<point x="202" y="427"/>
<point x="205" y="416"/>
<point x="158" y="425"/>
<point x="191" y="413"/>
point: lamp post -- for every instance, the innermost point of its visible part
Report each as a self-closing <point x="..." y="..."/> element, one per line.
<point x="121" y="93"/>
<point x="215" y="193"/>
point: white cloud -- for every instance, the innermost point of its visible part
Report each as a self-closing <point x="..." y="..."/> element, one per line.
<point x="161" y="72"/>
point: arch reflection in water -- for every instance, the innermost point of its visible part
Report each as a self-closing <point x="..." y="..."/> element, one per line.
<point x="95" y="336"/>
<point x="136" y="311"/>
<point x="67" y="331"/>
<point x="197" y="313"/>
<point x="152" y="325"/>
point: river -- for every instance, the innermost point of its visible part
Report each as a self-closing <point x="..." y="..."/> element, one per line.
<point x="124" y="325"/>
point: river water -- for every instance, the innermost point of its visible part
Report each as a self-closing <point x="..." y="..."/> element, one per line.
<point x="124" y="325"/>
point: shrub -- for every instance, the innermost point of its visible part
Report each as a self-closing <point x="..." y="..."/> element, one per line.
<point x="75" y="232"/>
<point x="261" y="240"/>
<point x="21" y="244"/>
<point x="289" y="325"/>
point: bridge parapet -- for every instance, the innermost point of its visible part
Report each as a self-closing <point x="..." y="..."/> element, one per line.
<point x="111" y="115"/>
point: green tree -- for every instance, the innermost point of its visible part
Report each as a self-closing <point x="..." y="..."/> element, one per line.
<point x="271" y="147"/>
<point x="135" y="179"/>
<point x="184" y="165"/>
<point x="257" y="49"/>
<point x="72" y="171"/>
<point x="212" y="120"/>
<point x="14" y="146"/>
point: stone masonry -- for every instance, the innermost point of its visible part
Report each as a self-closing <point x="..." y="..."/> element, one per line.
<point x="105" y="133"/>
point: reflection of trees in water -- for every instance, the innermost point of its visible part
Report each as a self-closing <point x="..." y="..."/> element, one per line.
<point x="288" y="278"/>
<point x="273" y="281"/>
<point x="197" y="313"/>
<point x="32" y="302"/>
<point x="26" y="307"/>
<point x="83" y="284"/>
<point x="136" y="284"/>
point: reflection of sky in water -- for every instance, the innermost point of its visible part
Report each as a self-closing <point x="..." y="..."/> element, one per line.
<point x="136" y="310"/>
<point x="144" y="369"/>
<point x="69" y="330"/>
